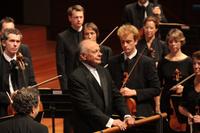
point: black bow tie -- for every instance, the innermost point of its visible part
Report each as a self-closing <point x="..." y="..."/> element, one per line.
<point x="13" y="64"/>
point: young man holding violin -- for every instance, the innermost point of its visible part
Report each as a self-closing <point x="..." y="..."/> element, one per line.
<point x="15" y="70"/>
<point x="142" y="84"/>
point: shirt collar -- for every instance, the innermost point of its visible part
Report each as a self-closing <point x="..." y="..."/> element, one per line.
<point x="130" y="56"/>
<point x="89" y="67"/>
<point x="8" y="58"/>
<point x="78" y="30"/>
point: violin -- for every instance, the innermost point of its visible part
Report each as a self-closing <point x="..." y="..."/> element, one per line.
<point x="10" y="109"/>
<point x="20" y="61"/>
<point x="173" y="121"/>
<point x="130" y="101"/>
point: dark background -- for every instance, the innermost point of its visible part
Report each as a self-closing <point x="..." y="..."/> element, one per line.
<point x="105" y="13"/>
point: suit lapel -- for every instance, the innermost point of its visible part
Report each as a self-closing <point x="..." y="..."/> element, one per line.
<point x="93" y="81"/>
<point x="104" y="85"/>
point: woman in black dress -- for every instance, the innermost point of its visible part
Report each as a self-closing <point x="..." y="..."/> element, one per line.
<point x="190" y="106"/>
<point x="156" y="48"/>
<point x="175" y="67"/>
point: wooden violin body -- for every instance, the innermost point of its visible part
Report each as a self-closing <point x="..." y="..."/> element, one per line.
<point x="131" y="105"/>
<point x="173" y="121"/>
<point x="129" y="101"/>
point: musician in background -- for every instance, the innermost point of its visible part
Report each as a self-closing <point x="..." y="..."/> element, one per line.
<point x="155" y="47"/>
<point x="143" y="83"/>
<point x="174" y="67"/>
<point x="136" y="12"/>
<point x="91" y="31"/>
<point x="9" y="23"/>
<point x="94" y="95"/>
<point x="190" y="106"/>
<point x="67" y="59"/>
<point x="67" y="45"/>
<point x="26" y="106"/>
<point x="15" y="71"/>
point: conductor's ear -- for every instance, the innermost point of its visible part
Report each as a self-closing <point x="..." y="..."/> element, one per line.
<point x="82" y="56"/>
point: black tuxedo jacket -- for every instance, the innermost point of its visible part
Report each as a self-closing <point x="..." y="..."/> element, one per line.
<point x="28" y="80"/>
<point x="22" y="124"/>
<point x="106" y="54"/>
<point x="93" y="104"/>
<point x="67" y="58"/>
<point x="144" y="80"/>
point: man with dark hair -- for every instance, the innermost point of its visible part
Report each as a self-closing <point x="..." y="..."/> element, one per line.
<point x="67" y="44"/>
<point x="67" y="50"/>
<point x="16" y="71"/>
<point x="9" y="23"/>
<point x="26" y="106"/>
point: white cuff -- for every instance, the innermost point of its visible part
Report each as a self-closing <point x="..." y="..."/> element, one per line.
<point x="109" y="123"/>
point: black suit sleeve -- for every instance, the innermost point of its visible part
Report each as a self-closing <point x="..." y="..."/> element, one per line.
<point x="81" y="97"/>
<point x="153" y="84"/>
<point x="30" y="73"/>
<point x="60" y="63"/>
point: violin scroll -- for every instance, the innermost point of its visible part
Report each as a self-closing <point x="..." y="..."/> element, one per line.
<point x="20" y="60"/>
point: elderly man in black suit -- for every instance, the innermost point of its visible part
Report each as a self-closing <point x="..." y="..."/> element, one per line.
<point x="26" y="106"/>
<point x="93" y="94"/>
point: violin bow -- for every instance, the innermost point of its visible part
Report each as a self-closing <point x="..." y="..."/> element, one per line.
<point x="133" y="68"/>
<point x="46" y="81"/>
<point x="108" y="35"/>
<point x="9" y="97"/>
<point x="184" y="80"/>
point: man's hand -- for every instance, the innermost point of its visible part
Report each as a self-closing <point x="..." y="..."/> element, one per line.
<point x="129" y="121"/>
<point x="156" y="10"/>
<point x="127" y="92"/>
<point x="196" y="118"/>
<point x="122" y="125"/>
<point x="179" y="89"/>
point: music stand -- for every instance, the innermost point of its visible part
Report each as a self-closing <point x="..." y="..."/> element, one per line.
<point x="55" y="104"/>
<point x="165" y="27"/>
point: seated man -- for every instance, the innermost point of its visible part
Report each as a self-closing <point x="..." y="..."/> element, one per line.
<point x="26" y="107"/>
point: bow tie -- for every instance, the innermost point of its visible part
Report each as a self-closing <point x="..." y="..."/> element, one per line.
<point x="13" y="64"/>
